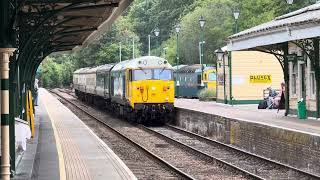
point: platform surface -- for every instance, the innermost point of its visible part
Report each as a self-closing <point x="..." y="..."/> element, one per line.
<point x="68" y="149"/>
<point x="251" y="113"/>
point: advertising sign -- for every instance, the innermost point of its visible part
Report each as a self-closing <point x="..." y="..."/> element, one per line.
<point x="260" y="79"/>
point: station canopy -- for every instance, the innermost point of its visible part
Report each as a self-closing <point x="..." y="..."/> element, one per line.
<point x="297" y="25"/>
<point x="61" y="25"/>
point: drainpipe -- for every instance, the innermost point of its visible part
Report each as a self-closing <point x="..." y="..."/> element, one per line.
<point x="230" y="77"/>
<point x="5" y="54"/>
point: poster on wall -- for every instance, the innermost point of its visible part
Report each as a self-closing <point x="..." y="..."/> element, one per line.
<point x="264" y="78"/>
<point x="220" y="79"/>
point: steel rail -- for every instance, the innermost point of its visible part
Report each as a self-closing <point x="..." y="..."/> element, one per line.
<point x="247" y="173"/>
<point x="240" y="150"/>
<point x="175" y="169"/>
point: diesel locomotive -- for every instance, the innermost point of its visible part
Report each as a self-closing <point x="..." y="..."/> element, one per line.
<point x="140" y="89"/>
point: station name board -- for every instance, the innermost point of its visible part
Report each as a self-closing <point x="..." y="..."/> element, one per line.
<point x="260" y="79"/>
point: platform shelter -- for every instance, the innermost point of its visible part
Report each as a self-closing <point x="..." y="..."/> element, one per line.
<point x="294" y="39"/>
<point x="30" y="30"/>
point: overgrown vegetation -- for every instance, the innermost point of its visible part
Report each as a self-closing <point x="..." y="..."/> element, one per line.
<point x="143" y="16"/>
<point x="207" y="94"/>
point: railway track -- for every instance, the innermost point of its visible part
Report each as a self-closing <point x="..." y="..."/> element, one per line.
<point x="188" y="164"/>
<point x="197" y="152"/>
<point x="258" y="166"/>
<point x="136" y="160"/>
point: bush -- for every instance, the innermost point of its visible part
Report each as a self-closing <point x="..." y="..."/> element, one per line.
<point x="207" y="94"/>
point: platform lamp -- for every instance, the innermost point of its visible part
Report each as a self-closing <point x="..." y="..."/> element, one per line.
<point x="236" y="14"/>
<point x="156" y="32"/>
<point x="178" y="28"/>
<point x="290" y="2"/>
<point x="220" y="57"/>
<point x="202" y="22"/>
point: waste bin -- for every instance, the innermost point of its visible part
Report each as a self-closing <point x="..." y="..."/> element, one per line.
<point x="302" y="110"/>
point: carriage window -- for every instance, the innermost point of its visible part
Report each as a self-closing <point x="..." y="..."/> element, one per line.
<point x="142" y="74"/>
<point x="212" y="77"/>
<point x="162" y="74"/>
<point x="199" y="79"/>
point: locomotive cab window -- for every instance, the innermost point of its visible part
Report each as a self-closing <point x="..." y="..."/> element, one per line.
<point x="142" y="74"/>
<point x="130" y="75"/>
<point x="212" y="77"/>
<point x="148" y="74"/>
<point x="162" y="74"/>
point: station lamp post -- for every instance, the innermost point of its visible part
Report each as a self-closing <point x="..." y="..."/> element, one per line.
<point x="236" y="14"/>
<point x="202" y="22"/>
<point x="290" y="2"/>
<point x="120" y="51"/>
<point x="156" y="32"/>
<point x="220" y="57"/>
<point x="178" y="28"/>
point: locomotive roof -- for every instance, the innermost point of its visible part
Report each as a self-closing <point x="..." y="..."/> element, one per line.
<point x="143" y="62"/>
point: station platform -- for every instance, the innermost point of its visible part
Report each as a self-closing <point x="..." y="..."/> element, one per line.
<point x="251" y="113"/>
<point x="264" y="132"/>
<point x="65" y="148"/>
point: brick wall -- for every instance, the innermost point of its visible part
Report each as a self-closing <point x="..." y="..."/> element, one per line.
<point x="297" y="149"/>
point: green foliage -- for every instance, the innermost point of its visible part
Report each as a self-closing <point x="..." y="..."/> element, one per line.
<point x="143" y="16"/>
<point x="54" y="74"/>
<point x="207" y="93"/>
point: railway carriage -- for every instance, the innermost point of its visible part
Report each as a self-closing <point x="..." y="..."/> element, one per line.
<point x="141" y="89"/>
<point x="79" y="80"/>
<point x="188" y="80"/>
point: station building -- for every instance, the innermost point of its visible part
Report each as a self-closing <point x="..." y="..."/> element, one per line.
<point x="294" y="40"/>
<point x="244" y="76"/>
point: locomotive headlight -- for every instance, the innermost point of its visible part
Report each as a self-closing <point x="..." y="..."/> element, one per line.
<point x="153" y="88"/>
<point x="167" y="99"/>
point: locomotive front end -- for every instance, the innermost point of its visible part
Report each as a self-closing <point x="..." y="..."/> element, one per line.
<point x="152" y="95"/>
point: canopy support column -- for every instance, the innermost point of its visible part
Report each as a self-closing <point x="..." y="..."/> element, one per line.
<point x="317" y="72"/>
<point x="286" y="76"/>
<point x="5" y="54"/>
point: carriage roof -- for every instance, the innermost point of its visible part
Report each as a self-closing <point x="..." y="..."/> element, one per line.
<point x="175" y="68"/>
<point x="189" y="68"/>
<point x="105" y="68"/>
<point x="81" y="70"/>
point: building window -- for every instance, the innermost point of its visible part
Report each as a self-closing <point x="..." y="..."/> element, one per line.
<point x="294" y="84"/>
<point x="312" y="84"/>
<point x="294" y="79"/>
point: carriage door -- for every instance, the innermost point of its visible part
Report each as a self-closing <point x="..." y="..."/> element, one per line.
<point x="129" y="80"/>
<point x="111" y="90"/>
<point x="124" y="85"/>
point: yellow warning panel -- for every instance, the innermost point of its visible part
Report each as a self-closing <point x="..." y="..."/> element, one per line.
<point x="30" y="114"/>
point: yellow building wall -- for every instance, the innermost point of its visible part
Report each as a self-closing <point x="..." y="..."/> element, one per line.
<point x="244" y="65"/>
<point x="253" y="63"/>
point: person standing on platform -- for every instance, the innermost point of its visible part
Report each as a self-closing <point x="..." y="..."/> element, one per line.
<point x="279" y="101"/>
<point x="36" y="87"/>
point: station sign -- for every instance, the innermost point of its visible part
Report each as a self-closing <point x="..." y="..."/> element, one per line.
<point x="264" y="78"/>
